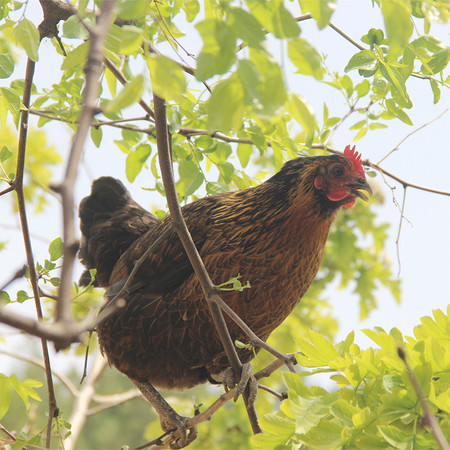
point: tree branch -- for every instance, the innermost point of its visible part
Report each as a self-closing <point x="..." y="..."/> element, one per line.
<point x="18" y="186"/>
<point x="222" y="400"/>
<point x="83" y="400"/>
<point x="180" y="226"/>
<point x="66" y="188"/>
<point x="431" y="418"/>
<point x="410" y="134"/>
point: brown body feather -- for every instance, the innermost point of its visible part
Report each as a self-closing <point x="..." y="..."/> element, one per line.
<point x="272" y="235"/>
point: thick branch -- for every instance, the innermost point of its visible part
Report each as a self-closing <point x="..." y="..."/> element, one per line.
<point x="82" y="402"/>
<point x="93" y="70"/>
<point x="189" y="246"/>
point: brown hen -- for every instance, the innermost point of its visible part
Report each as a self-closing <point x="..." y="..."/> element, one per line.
<point x="272" y="235"/>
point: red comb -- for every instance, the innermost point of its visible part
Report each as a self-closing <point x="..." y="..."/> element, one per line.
<point x="355" y="157"/>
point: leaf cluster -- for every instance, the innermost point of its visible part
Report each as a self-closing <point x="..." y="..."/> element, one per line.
<point x="374" y="404"/>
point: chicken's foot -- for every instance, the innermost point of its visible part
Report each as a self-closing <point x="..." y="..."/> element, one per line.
<point x="228" y="379"/>
<point x="170" y="420"/>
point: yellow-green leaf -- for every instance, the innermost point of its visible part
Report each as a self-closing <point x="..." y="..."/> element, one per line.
<point x="27" y="36"/>
<point x="167" y="76"/>
<point x="130" y="94"/>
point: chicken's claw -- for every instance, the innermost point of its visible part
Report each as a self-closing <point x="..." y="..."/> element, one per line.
<point x="177" y="426"/>
<point x="247" y="379"/>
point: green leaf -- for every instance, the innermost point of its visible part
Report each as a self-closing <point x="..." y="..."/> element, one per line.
<point x="321" y="10"/>
<point x="55" y="249"/>
<point x="308" y="411"/>
<point x="226" y="170"/>
<point x="365" y="59"/>
<point x="398" y="23"/>
<point x="436" y="91"/>
<point x="306" y="58"/>
<point x="190" y="175"/>
<point x="5" y="394"/>
<point x="275" y="18"/>
<point x="27" y="36"/>
<point x="6" y="65"/>
<point x="393" y="76"/>
<point x="11" y="98"/>
<point x="167" y="76"/>
<point x="363" y="88"/>
<point x="251" y="80"/>
<point x="74" y="29"/>
<point x="22" y="296"/>
<point x="277" y="155"/>
<point x="136" y="160"/>
<point x="244" y="151"/>
<point x="302" y="112"/>
<point x="131" y="39"/>
<point x="397" y="112"/>
<point x="360" y="134"/>
<point x="225" y="107"/>
<point x="271" y="89"/>
<point x="5" y="153"/>
<point x="215" y="187"/>
<point x="4" y="296"/>
<point x="25" y="389"/>
<point x="358" y="125"/>
<point x="130" y="94"/>
<point x="218" y="52"/>
<point x="96" y="135"/>
<point x="373" y="37"/>
<point x="191" y="8"/>
<point x="439" y="60"/>
<point x="76" y="58"/>
<point x="247" y="27"/>
<point x="397" y="438"/>
<point x="131" y="10"/>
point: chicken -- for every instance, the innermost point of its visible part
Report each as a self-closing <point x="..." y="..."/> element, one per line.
<point x="272" y="235"/>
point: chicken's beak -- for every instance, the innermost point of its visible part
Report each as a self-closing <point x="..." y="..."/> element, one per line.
<point x="357" y="185"/>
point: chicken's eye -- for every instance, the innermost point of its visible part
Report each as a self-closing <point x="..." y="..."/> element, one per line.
<point x="337" y="171"/>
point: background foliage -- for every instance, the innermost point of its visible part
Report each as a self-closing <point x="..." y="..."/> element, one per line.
<point x="234" y="119"/>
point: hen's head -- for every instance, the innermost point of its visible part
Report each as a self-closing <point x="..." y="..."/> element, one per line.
<point x="342" y="178"/>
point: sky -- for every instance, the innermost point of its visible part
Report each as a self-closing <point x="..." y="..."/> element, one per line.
<point x="424" y="158"/>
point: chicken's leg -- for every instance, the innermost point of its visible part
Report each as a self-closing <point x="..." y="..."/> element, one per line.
<point x="170" y="420"/>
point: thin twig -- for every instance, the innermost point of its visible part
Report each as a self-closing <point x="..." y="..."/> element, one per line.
<point x="431" y="418"/>
<point x="29" y="359"/>
<point x="18" y="274"/>
<point x="21" y="151"/>
<point x="8" y="189"/>
<point x="111" y="401"/>
<point x="404" y="182"/>
<point x="345" y="36"/>
<point x="100" y="123"/>
<point x="397" y="241"/>
<point x="410" y="134"/>
<point x="180" y="226"/>
<point x="279" y="395"/>
<point x="10" y="435"/>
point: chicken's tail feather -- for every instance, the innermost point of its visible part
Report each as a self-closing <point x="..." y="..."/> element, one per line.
<point x="110" y="221"/>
